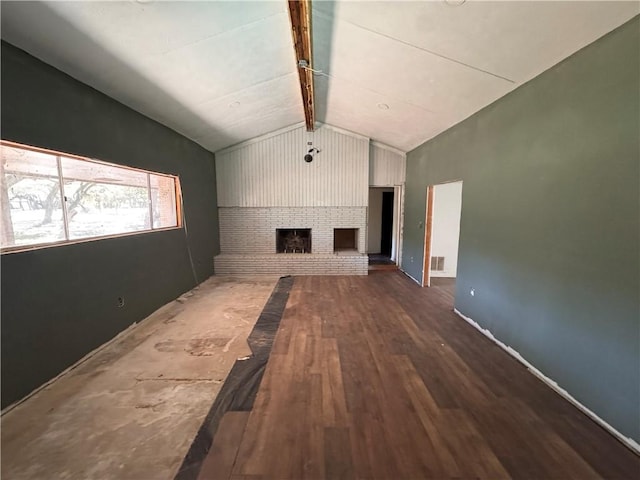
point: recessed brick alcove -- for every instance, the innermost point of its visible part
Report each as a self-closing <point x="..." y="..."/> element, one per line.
<point x="345" y="239"/>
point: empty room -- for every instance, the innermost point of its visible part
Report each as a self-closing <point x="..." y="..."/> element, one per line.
<point x="269" y="240"/>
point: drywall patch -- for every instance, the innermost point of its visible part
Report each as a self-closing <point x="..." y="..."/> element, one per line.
<point x="629" y="442"/>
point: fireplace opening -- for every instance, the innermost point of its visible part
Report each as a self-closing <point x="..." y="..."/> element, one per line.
<point x="345" y="239"/>
<point x="293" y="240"/>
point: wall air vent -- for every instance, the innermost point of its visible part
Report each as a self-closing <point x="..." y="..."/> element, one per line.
<point x="437" y="264"/>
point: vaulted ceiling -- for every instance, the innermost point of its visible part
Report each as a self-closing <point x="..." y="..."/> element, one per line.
<point x="224" y="72"/>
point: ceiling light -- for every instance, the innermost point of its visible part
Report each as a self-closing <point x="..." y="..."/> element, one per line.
<point x="383" y="106"/>
<point x="234" y="104"/>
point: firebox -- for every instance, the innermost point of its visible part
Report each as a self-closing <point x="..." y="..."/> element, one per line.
<point x="293" y="240"/>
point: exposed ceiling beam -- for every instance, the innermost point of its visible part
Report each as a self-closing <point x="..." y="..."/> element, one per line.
<point x="300" y="16"/>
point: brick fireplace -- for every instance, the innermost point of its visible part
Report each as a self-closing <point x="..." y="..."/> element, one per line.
<point x="254" y="241"/>
<point x="279" y="215"/>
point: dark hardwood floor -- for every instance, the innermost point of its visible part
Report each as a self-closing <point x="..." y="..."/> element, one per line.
<point x="376" y="378"/>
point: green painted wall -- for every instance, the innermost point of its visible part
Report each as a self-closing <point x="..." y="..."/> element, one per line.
<point x="59" y="303"/>
<point x="550" y="222"/>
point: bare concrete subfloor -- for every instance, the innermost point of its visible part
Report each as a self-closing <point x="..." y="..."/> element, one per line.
<point x="132" y="409"/>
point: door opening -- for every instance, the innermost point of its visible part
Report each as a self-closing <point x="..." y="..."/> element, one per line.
<point x="426" y="278"/>
<point x="386" y="230"/>
<point x="382" y="226"/>
<point x="442" y="233"/>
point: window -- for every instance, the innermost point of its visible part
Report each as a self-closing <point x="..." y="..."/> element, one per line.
<point x="51" y="197"/>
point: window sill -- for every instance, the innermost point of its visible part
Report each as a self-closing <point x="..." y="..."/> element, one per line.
<point x="62" y="243"/>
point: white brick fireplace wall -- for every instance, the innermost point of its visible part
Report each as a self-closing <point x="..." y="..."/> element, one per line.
<point x="265" y="184"/>
<point x="248" y="240"/>
<point x="247" y="231"/>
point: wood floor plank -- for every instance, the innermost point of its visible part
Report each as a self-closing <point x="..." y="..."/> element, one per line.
<point x="222" y="455"/>
<point x="417" y="456"/>
<point x="337" y="453"/>
<point x="285" y="330"/>
<point x="595" y="446"/>
<point x="311" y="432"/>
<point x="427" y="412"/>
<point x="375" y="378"/>
<point x="264" y="429"/>
<point x="478" y="459"/>
<point x="334" y="406"/>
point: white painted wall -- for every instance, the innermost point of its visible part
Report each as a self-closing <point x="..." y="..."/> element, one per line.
<point x="271" y="172"/>
<point x="374" y="221"/>
<point x="387" y="166"/>
<point x="265" y="184"/>
<point x="446" y="226"/>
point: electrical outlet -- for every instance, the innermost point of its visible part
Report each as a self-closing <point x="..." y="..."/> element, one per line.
<point x="411" y="259"/>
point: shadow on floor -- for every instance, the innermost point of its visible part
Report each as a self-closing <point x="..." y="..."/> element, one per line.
<point x="378" y="259"/>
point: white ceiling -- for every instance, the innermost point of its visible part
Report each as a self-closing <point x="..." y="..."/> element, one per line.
<point x="185" y="64"/>
<point x="224" y="72"/>
<point x="435" y="64"/>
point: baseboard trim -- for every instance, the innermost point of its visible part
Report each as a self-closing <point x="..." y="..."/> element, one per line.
<point x="629" y="442"/>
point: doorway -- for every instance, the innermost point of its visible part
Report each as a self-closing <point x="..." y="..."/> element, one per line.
<point x="442" y="232"/>
<point x="386" y="228"/>
<point x="383" y="228"/>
